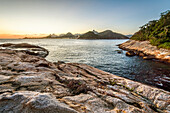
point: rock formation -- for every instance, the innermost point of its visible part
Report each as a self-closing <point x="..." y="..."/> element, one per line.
<point x="31" y="84"/>
<point x="27" y="48"/>
<point x="146" y="50"/>
<point x="130" y="53"/>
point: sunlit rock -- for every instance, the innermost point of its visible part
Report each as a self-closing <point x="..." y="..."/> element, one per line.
<point x="146" y="50"/>
<point x="31" y="84"/>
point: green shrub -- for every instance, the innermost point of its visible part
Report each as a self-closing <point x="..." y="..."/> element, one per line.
<point x="165" y="45"/>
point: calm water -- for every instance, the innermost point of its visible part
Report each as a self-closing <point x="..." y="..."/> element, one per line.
<point x="102" y="54"/>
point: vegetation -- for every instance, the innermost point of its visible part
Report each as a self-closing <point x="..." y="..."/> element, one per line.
<point x="108" y="34"/>
<point x="89" y="35"/>
<point x="156" y="31"/>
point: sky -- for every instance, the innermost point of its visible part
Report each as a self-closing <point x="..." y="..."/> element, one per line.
<point x="41" y="17"/>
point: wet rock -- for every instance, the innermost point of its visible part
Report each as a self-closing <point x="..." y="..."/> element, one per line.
<point x="141" y="54"/>
<point x="149" y="57"/>
<point x="130" y="53"/>
<point x="31" y="84"/>
<point x="119" y="51"/>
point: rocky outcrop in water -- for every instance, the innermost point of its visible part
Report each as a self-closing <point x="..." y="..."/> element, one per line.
<point x="27" y="48"/>
<point x="146" y="50"/>
<point x="31" y="84"/>
<point x="130" y="53"/>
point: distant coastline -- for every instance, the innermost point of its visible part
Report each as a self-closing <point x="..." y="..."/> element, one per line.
<point x="107" y="34"/>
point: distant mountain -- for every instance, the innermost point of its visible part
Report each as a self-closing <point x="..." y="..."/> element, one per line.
<point x="77" y="34"/>
<point x="108" y="34"/>
<point x="68" y="35"/>
<point x="95" y="32"/>
<point x="129" y="36"/>
<point x="51" y="36"/>
<point x="89" y="35"/>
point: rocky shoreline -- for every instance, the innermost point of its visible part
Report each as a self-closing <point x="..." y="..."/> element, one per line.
<point x="146" y="50"/>
<point x="31" y="84"/>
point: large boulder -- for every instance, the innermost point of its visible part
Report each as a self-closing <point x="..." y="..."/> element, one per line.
<point x="130" y="53"/>
<point x="32" y="102"/>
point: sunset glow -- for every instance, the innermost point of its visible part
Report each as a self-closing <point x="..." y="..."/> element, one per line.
<point x="42" y="17"/>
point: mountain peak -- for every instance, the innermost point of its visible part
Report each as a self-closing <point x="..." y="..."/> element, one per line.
<point x="107" y="34"/>
<point x="95" y="32"/>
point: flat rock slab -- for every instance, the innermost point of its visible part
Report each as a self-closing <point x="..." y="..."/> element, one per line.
<point x="29" y="83"/>
<point x="27" y="48"/>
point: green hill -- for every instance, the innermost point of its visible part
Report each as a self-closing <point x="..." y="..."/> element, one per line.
<point x="156" y="31"/>
<point x="89" y="35"/>
<point x="108" y="34"/>
<point x="68" y="35"/>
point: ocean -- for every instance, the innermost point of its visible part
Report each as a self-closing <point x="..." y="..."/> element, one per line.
<point x="103" y="55"/>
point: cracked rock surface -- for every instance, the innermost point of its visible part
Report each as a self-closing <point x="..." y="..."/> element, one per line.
<point x="31" y="84"/>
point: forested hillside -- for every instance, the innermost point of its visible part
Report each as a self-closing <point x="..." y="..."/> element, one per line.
<point x="156" y="31"/>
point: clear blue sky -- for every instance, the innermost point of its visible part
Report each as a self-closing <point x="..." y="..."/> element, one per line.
<point x="61" y="16"/>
